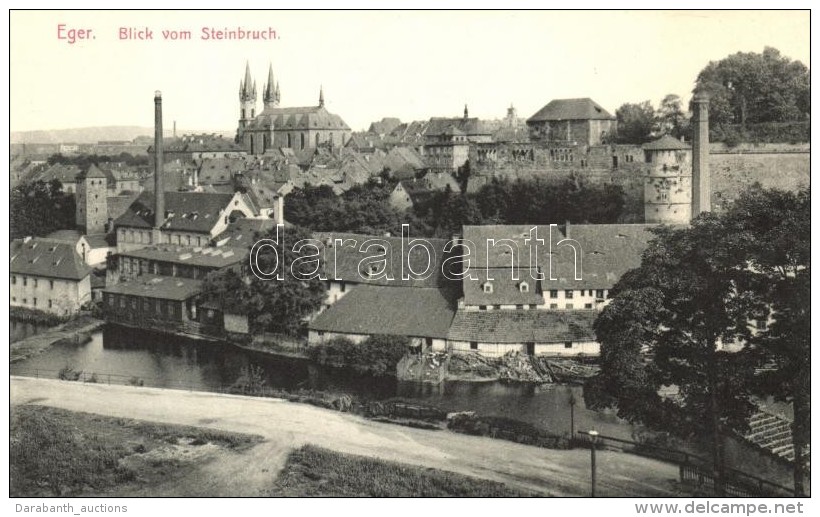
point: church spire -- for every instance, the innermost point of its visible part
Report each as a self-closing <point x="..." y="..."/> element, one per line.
<point x="321" y="96"/>
<point x="466" y="113"/>
<point x="270" y="96"/>
<point x="247" y="88"/>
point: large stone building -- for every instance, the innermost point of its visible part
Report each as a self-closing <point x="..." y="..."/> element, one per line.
<point x="48" y="275"/>
<point x="277" y="127"/>
<point x="572" y="121"/>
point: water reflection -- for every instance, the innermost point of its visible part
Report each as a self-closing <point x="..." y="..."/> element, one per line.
<point x="168" y="361"/>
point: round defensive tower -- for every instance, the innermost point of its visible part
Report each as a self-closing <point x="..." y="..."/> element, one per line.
<point x="668" y="182"/>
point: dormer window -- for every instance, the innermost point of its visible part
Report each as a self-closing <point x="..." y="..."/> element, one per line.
<point x="487" y="287"/>
<point x="524" y="287"/>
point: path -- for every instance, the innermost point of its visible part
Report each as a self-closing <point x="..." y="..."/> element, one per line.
<point x="288" y="425"/>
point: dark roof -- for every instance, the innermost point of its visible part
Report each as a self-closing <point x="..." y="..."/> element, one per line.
<point x="397" y="311"/>
<point x="608" y="251"/>
<point x="451" y="126"/>
<point x="198" y="143"/>
<point x="571" y="109"/>
<point x="522" y="326"/>
<point x="118" y="205"/>
<point x="666" y="143"/>
<point x="97" y="240"/>
<point x="58" y="171"/>
<point x="505" y="290"/>
<point x="384" y="126"/>
<point x="307" y="118"/>
<point x="206" y="256"/>
<point x="47" y="257"/>
<point x="216" y="171"/>
<point x="93" y="172"/>
<point x="160" y="287"/>
<point x="348" y="260"/>
<point x="192" y="211"/>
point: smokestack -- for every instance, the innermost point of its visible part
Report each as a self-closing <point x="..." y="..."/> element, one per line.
<point x="175" y="129"/>
<point x="159" y="194"/>
<point x="701" y="188"/>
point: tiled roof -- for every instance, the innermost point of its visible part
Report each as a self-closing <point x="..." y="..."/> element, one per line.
<point x="347" y="260"/>
<point x="608" y="251"/>
<point x="384" y="126"/>
<point x="46" y="257"/>
<point x="522" y="326"/>
<point x="63" y="173"/>
<point x="192" y="211"/>
<point x="215" y="171"/>
<point x="243" y="232"/>
<point x="666" y="143"/>
<point x="206" y="256"/>
<point x="504" y="290"/>
<point x="455" y="126"/>
<point x="397" y="311"/>
<point x="571" y="109"/>
<point x="304" y="118"/>
<point x="159" y="287"/>
<point x="96" y="240"/>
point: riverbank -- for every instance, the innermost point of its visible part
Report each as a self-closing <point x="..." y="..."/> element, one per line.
<point x="77" y="330"/>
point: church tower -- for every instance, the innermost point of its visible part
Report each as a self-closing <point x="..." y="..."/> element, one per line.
<point x="668" y="182"/>
<point x="92" y="203"/>
<point x="271" y="94"/>
<point x="247" y="100"/>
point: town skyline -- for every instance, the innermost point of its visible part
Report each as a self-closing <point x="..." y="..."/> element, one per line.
<point x="408" y="65"/>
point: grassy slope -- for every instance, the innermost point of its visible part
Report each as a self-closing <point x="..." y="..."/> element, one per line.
<point x="56" y="452"/>
<point x="315" y="472"/>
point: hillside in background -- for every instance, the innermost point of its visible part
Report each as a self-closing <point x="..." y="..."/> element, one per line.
<point x="92" y="135"/>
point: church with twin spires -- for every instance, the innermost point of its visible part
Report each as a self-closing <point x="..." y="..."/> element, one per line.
<point x="277" y="127"/>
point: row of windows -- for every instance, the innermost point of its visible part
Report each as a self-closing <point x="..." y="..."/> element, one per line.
<point x="474" y="345"/>
<point x="24" y="301"/>
<point x="568" y="306"/>
<point x="182" y="240"/>
<point x="148" y="305"/>
<point x="569" y="293"/>
<point x="34" y="281"/>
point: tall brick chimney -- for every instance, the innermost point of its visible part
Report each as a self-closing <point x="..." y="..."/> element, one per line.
<point x="159" y="194"/>
<point x="701" y="184"/>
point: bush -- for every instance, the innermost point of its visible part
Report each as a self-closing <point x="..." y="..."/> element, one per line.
<point x="136" y="381"/>
<point x="505" y="429"/>
<point x="377" y="355"/>
<point x="68" y="373"/>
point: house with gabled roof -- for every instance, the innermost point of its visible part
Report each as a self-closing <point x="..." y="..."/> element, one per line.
<point x="48" y="275"/>
<point x="572" y="122"/>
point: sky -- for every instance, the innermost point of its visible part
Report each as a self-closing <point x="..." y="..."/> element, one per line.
<point x="410" y="65"/>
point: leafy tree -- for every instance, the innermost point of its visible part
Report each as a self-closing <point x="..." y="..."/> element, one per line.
<point x="670" y="118"/>
<point x="635" y="123"/>
<point x="272" y="305"/>
<point x="664" y="327"/>
<point x="771" y="230"/>
<point x="39" y="208"/>
<point x="747" y="87"/>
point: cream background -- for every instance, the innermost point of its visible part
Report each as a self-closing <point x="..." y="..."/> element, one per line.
<point x="411" y="65"/>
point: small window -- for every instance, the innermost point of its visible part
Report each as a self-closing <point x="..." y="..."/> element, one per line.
<point x="122" y="302"/>
<point x="51" y="284"/>
<point x="497" y="307"/>
<point x="13" y="280"/>
<point x="342" y="287"/>
<point x="35" y="282"/>
<point x="587" y="306"/>
<point x="553" y="293"/>
<point x="761" y="324"/>
<point x="50" y="304"/>
<point x="488" y="287"/>
<point x="34" y="301"/>
<point x="553" y="306"/>
<point x="533" y="306"/>
<point x="519" y="306"/>
<point x="25" y="281"/>
<point x="568" y="344"/>
<point x="570" y="306"/>
<point x="599" y="293"/>
<point x="568" y="294"/>
<point x="473" y="345"/>
<point x="25" y="301"/>
<point x="482" y="307"/>
<point x="524" y="287"/>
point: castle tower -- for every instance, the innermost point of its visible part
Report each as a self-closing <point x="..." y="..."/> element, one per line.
<point x="92" y="203"/>
<point x="271" y="94"/>
<point x="247" y="99"/>
<point x="701" y="192"/>
<point x="668" y="183"/>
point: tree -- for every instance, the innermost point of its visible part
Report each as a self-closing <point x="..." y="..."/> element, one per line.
<point x="40" y="208"/>
<point x="635" y="123"/>
<point x="677" y="308"/>
<point x="272" y="305"/>
<point x="670" y="118"/>
<point x="750" y="88"/>
<point x="771" y="230"/>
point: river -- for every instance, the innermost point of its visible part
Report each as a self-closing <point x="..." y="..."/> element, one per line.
<point x="174" y="362"/>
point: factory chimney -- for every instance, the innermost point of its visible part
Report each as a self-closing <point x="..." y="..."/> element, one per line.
<point x="159" y="194"/>
<point x="701" y="188"/>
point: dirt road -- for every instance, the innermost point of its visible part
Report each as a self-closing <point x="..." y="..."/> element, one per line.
<point x="288" y="425"/>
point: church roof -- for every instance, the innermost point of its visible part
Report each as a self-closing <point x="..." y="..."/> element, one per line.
<point x="298" y="119"/>
<point x="571" y="109"/>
